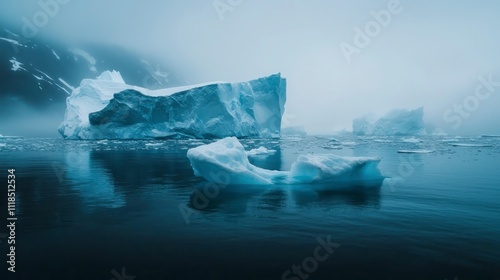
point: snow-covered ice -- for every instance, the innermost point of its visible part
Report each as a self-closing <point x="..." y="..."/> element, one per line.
<point x="226" y="162"/>
<point x="107" y="107"/>
<point x="397" y="122"/>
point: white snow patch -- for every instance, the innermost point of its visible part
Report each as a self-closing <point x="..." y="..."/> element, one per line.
<point x="55" y="54"/>
<point x="66" y="84"/>
<point x="12" y="41"/>
<point x="65" y="90"/>
<point x="44" y="74"/>
<point x="16" y="65"/>
<point x="85" y="55"/>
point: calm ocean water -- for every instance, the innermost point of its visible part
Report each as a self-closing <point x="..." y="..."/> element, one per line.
<point x="124" y="209"/>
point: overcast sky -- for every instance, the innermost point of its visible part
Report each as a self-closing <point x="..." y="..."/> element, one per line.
<point x="428" y="54"/>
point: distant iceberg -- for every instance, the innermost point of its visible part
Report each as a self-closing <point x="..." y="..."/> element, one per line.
<point x="260" y="151"/>
<point x="397" y="122"/>
<point x="107" y="108"/>
<point x="293" y="131"/>
<point x="226" y="162"/>
<point x="342" y="132"/>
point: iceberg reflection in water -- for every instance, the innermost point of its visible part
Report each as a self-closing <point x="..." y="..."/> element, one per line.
<point x="91" y="180"/>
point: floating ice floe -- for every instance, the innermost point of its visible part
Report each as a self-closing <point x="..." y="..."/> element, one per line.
<point x="382" y="141"/>
<point x="260" y="151"/>
<point x="411" y="140"/>
<point x="448" y="140"/>
<point x="471" y="145"/>
<point x="226" y="162"/>
<point x="153" y="144"/>
<point x="415" y="151"/>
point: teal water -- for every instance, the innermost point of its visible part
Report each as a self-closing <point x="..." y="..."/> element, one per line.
<point x="117" y="209"/>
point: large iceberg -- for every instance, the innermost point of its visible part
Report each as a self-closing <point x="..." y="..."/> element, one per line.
<point x="226" y="162"/>
<point x="397" y="122"/>
<point x="107" y="107"/>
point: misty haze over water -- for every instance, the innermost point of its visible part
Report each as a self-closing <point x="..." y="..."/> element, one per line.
<point x="427" y="54"/>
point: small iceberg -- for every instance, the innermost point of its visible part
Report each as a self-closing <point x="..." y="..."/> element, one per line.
<point x="415" y="151"/>
<point x="260" y="152"/>
<point x="226" y="162"/>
